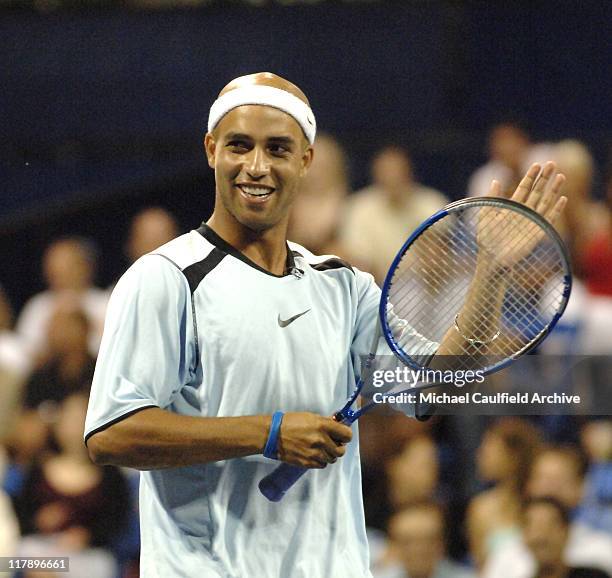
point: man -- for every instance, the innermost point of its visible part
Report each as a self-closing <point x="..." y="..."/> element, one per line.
<point x="545" y="529"/>
<point x="511" y="152"/>
<point x="380" y="217"/>
<point x="150" y="228"/>
<point x="211" y="334"/>
<point x="557" y="473"/>
<point x="320" y="206"/>
<point x="69" y="266"/>
<point x="417" y="542"/>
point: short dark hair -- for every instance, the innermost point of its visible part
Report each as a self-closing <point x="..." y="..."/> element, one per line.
<point x="548" y="501"/>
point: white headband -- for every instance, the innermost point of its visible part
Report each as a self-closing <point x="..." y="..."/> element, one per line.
<point x="266" y="96"/>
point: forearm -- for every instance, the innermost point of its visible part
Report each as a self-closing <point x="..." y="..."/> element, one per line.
<point x="154" y="438"/>
<point x="479" y="318"/>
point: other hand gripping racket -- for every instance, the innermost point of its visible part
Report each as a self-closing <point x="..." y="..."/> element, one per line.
<point x="431" y="281"/>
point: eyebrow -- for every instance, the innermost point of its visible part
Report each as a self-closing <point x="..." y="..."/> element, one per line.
<point x="237" y="136"/>
<point x="276" y="139"/>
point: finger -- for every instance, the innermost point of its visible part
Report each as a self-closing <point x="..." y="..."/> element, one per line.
<point x="522" y="191"/>
<point x="495" y="189"/>
<point x="338" y="451"/>
<point x="330" y="458"/>
<point x="556" y="210"/>
<point x="325" y="452"/>
<point x="540" y="185"/>
<point x="339" y="432"/>
<point x="551" y="194"/>
<point x="332" y="450"/>
<point x="317" y="462"/>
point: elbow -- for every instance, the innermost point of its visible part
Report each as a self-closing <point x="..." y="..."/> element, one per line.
<point x="99" y="449"/>
<point x="112" y="448"/>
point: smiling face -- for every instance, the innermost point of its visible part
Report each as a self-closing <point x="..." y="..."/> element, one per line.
<point x="259" y="155"/>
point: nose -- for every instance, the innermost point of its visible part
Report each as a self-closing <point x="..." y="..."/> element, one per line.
<point x="257" y="165"/>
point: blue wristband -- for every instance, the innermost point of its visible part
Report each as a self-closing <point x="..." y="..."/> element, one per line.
<point x="271" y="449"/>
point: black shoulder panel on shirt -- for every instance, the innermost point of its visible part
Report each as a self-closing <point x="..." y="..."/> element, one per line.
<point x="196" y="272"/>
<point x="333" y="263"/>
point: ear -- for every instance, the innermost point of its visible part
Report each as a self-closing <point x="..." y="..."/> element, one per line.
<point x="306" y="160"/>
<point x="210" y="147"/>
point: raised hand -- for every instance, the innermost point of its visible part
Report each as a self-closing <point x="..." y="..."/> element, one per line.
<point x="505" y="238"/>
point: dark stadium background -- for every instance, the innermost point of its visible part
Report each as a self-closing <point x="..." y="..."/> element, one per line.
<point x="103" y="105"/>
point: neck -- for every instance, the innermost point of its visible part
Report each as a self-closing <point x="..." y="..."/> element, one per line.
<point x="267" y="248"/>
<point x="398" y="197"/>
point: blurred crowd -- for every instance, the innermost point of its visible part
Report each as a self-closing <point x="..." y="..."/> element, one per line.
<point x="454" y="497"/>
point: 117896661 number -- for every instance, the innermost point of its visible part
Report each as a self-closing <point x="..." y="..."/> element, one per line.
<point x="60" y="564"/>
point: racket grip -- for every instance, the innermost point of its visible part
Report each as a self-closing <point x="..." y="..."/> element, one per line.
<point x="275" y="485"/>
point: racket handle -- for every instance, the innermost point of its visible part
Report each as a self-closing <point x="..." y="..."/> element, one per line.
<point x="275" y="485"/>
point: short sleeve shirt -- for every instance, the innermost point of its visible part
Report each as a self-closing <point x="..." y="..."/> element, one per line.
<point x="198" y="329"/>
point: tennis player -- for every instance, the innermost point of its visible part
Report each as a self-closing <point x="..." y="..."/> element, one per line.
<point x="210" y="337"/>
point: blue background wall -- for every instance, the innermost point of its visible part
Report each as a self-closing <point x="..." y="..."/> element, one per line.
<point x="101" y="107"/>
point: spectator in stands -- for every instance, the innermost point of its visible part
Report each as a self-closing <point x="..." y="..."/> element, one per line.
<point x="69" y="506"/>
<point x="318" y="209"/>
<point x="596" y="507"/>
<point x="380" y="217"/>
<point x="546" y="531"/>
<point x="417" y="545"/>
<point x="511" y="153"/>
<point x="66" y="368"/>
<point x="409" y="476"/>
<point x="413" y="475"/>
<point x="150" y="228"/>
<point x="596" y="256"/>
<point x="558" y="473"/>
<point x="586" y="325"/>
<point x="585" y="218"/>
<point x="14" y="368"/>
<point x="69" y="267"/>
<point x="504" y="459"/>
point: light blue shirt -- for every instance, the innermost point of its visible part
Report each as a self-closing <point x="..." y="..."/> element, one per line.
<point x="194" y="329"/>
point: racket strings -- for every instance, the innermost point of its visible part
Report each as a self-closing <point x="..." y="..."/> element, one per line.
<point x="522" y="310"/>
<point x="435" y="279"/>
<point x="431" y="283"/>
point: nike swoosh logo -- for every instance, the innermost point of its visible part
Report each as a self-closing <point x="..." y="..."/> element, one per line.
<point x="285" y="322"/>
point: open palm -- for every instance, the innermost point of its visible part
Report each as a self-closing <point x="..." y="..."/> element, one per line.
<point x="505" y="237"/>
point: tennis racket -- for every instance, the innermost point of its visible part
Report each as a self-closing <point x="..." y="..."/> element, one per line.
<point x="434" y="296"/>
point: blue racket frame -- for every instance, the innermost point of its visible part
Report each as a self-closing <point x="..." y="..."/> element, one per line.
<point x="275" y="485"/>
<point x="551" y="231"/>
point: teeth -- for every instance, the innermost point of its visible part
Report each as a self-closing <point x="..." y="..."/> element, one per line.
<point x="256" y="191"/>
